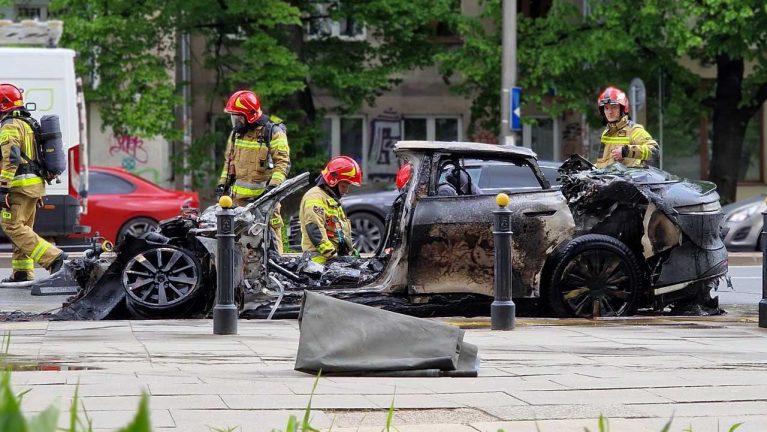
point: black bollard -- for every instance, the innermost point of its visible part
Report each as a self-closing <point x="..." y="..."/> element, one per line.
<point x="763" y="301"/>
<point x="225" y="312"/>
<point x="502" y="310"/>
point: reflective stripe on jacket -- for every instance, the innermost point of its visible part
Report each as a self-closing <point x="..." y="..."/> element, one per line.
<point x="16" y="137"/>
<point x="641" y="147"/>
<point x="321" y="209"/>
<point x="247" y="157"/>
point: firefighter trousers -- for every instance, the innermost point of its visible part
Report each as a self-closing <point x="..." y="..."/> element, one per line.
<point x="28" y="247"/>
<point x="275" y="222"/>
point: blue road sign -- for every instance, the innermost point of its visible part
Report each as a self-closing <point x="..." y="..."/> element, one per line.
<point x="515" y="122"/>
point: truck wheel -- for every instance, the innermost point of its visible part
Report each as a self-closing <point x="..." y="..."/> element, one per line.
<point x="594" y="273"/>
<point x="162" y="282"/>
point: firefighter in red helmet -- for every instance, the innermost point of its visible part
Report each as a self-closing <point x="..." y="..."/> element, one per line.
<point x="325" y="230"/>
<point x="257" y="156"/>
<point x="21" y="190"/>
<point x="623" y="140"/>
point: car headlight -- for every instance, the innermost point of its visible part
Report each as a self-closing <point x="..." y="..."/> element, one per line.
<point x="743" y="214"/>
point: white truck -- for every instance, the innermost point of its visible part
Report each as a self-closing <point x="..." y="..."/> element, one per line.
<point x="47" y="79"/>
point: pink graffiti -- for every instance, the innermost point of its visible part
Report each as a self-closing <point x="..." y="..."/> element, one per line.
<point x="129" y="145"/>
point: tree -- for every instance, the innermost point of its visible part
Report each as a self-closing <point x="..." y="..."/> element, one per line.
<point x="259" y="45"/>
<point x="565" y="58"/>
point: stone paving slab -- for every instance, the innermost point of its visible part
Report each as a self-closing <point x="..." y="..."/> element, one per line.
<point x="638" y="373"/>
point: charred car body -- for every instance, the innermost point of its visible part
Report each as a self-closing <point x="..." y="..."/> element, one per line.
<point x="607" y="243"/>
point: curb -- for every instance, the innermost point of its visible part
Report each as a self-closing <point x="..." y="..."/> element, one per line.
<point x="744" y="259"/>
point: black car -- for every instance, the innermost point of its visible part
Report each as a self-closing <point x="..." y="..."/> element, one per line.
<point x="367" y="206"/>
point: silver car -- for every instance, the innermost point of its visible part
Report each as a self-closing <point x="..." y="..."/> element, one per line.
<point x="744" y="221"/>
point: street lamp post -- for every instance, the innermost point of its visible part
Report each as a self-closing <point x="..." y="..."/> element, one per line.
<point x="509" y="69"/>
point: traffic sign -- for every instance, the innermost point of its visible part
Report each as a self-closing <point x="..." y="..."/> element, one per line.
<point x="515" y="121"/>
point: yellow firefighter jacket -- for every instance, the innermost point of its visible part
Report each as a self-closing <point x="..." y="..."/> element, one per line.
<point x="16" y="174"/>
<point x="320" y="209"/>
<point x="247" y="157"/>
<point x="640" y="145"/>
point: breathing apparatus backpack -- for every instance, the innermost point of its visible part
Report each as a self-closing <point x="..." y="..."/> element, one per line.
<point x="50" y="159"/>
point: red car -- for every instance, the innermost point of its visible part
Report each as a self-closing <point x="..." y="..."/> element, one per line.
<point x="120" y="202"/>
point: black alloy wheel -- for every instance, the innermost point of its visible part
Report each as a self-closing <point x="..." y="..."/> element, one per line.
<point x="161" y="279"/>
<point x="595" y="275"/>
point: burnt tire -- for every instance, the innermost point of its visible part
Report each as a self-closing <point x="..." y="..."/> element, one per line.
<point x="162" y="282"/>
<point x="594" y="272"/>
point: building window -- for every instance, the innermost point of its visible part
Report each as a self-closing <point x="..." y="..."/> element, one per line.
<point x="346" y="135"/>
<point x="432" y="128"/>
<point x="320" y="25"/>
<point x="543" y="138"/>
<point x="27" y="11"/>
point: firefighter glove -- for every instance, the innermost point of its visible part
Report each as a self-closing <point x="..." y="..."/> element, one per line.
<point x="270" y="187"/>
<point x="327" y="249"/>
<point x="5" y="199"/>
<point x="219" y="191"/>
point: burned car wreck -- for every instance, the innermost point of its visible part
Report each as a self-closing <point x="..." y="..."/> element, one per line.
<point x="607" y="243"/>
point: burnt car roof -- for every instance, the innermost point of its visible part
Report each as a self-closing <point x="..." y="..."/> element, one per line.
<point x="464" y="147"/>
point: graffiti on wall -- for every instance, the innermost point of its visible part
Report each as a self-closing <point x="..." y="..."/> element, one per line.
<point x="133" y="156"/>
<point x="387" y="130"/>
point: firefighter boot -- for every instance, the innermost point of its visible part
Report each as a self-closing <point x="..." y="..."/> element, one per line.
<point x="18" y="276"/>
<point x="57" y="263"/>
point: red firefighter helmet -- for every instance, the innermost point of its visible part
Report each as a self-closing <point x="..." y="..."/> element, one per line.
<point x="403" y="175"/>
<point x="10" y="97"/>
<point x="340" y="169"/>
<point x="613" y="96"/>
<point x="244" y="102"/>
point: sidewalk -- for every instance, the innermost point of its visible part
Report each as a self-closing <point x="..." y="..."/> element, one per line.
<point x="706" y="372"/>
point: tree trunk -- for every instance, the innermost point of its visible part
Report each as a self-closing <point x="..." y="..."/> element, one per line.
<point x="730" y="123"/>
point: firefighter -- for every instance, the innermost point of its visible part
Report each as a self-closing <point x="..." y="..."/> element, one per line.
<point x="257" y="156"/>
<point x="325" y="230"/>
<point x="21" y="191"/>
<point x="623" y="140"/>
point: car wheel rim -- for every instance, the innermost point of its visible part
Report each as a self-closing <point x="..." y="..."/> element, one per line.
<point x="596" y="279"/>
<point x="136" y="229"/>
<point x="367" y="235"/>
<point x="161" y="277"/>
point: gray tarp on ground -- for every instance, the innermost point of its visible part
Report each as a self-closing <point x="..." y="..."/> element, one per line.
<point x="341" y="337"/>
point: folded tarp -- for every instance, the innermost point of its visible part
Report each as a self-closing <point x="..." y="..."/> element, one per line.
<point x="344" y="338"/>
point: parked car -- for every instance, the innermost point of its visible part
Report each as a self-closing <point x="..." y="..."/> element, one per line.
<point x="120" y="203"/>
<point x="744" y="222"/>
<point x="606" y="243"/>
<point x="367" y="207"/>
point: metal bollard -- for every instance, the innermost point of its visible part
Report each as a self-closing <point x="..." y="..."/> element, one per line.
<point x="502" y="310"/>
<point x="225" y="312"/>
<point x="763" y="301"/>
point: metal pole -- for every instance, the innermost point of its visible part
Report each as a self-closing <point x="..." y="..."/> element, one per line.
<point x="225" y="312"/>
<point x="763" y="301"/>
<point x="660" y="118"/>
<point x="509" y="69"/>
<point x="186" y="112"/>
<point x="502" y="310"/>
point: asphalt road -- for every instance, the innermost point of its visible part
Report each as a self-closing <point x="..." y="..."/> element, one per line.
<point x="746" y="290"/>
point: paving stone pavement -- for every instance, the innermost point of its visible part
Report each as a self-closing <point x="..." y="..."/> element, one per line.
<point x="547" y="375"/>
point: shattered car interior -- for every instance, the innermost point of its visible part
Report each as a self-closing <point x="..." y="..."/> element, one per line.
<point x="607" y="243"/>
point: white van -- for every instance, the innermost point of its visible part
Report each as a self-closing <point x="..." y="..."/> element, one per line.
<point x="47" y="79"/>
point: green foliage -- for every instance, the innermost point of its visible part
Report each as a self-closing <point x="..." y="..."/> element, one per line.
<point x="131" y="48"/>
